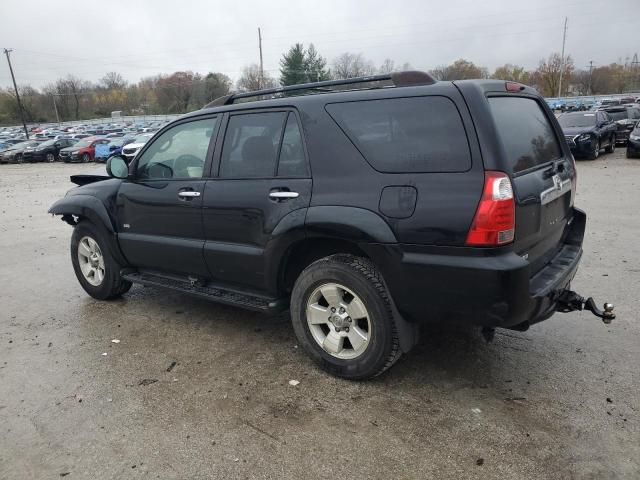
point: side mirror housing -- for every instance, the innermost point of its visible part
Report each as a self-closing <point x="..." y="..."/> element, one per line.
<point x="117" y="167"/>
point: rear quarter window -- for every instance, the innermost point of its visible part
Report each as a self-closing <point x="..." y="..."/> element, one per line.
<point x="406" y="135"/>
<point x="526" y="134"/>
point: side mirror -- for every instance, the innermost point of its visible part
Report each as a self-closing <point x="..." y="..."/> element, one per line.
<point x="117" y="167"/>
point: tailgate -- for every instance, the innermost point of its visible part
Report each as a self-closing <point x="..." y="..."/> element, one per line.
<point x="541" y="175"/>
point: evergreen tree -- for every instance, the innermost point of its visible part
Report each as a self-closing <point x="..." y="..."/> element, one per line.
<point x="303" y="66"/>
<point x="292" y="66"/>
<point x="315" y="66"/>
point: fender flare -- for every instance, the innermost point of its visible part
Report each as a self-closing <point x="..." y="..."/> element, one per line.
<point x="94" y="210"/>
<point x="348" y="223"/>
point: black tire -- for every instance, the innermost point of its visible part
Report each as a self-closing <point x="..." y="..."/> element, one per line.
<point x="51" y="157"/>
<point x="18" y="158"/>
<point x="595" y="153"/>
<point x="86" y="158"/>
<point x="362" y="277"/>
<point x="113" y="285"/>
<point x="612" y="145"/>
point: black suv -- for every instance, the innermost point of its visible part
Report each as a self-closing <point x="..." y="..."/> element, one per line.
<point x="626" y="118"/>
<point x="365" y="211"/>
<point x="587" y="133"/>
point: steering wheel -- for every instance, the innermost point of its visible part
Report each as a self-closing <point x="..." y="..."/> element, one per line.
<point x="183" y="162"/>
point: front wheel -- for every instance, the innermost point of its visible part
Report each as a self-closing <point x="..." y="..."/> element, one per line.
<point x="18" y="158"/>
<point x="342" y="317"/>
<point x="595" y="153"/>
<point x="94" y="265"/>
<point x="85" y="158"/>
<point x="612" y="145"/>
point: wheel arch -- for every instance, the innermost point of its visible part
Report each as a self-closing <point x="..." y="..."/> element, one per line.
<point x="75" y="208"/>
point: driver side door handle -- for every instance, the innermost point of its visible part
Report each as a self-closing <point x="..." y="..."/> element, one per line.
<point x="188" y="194"/>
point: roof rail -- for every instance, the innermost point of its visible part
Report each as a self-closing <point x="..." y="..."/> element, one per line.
<point x="398" y="79"/>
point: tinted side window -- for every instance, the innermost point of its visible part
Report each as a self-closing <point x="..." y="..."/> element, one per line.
<point x="250" y="147"/>
<point x="419" y="134"/>
<point x="292" y="162"/>
<point x="525" y="131"/>
<point x="179" y="152"/>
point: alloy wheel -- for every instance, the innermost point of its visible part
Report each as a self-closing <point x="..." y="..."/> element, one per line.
<point x="91" y="261"/>
<point x="338" y="321"/>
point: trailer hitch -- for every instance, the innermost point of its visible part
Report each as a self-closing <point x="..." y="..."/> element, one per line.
<point x="569" y="301"/>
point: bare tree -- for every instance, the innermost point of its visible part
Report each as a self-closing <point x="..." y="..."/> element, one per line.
<point x="113" y="81"/>
<point x="387" y="66"/>
<point x="548" y="74"/>
<point x="251" y="80"/>
<point x="459" y="70"/>
<point x="511" y="72"/>
<point x="351" y="65"/>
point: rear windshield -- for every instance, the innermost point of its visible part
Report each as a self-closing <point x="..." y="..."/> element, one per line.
<point x="525" y="131"/>
<point x="412" y="135"/>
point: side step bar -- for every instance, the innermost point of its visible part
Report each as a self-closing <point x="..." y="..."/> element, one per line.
<point x="217" y="294"/>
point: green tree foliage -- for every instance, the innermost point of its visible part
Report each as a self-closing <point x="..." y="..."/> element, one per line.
<point x="302" y="66"/>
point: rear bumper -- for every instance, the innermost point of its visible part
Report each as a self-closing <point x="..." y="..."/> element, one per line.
<point x="496" y="290"/>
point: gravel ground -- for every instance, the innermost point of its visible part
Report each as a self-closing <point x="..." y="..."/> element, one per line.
<point x="197" y="390"/>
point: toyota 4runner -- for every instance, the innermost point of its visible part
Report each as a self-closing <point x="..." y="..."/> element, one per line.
<point x="364" y="206"/>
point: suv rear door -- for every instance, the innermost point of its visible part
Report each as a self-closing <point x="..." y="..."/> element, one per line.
<point x="541" y="172"/>
<point x="260" y="175"/>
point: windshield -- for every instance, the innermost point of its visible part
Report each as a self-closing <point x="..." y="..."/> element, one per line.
<point x="577" y="120"/>
<point x="619" y="115"/>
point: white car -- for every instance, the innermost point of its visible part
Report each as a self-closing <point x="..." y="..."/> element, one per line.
<point x="130" y="150"/>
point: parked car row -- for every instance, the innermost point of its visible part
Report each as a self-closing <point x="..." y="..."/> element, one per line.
<point x="86" y="149"/>
<point x="587" y="133"/>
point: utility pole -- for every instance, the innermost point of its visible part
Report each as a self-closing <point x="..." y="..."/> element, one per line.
<point x="634" y="69"/>
<point x="26" y="132"/>
<point x="55" y="107"/>
<point x="261" y="65"/>
<point x="564" y="39"/>
<point x="590" y="76"/>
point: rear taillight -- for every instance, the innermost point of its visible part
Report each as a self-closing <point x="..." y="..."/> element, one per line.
<point x="494" y="222"/>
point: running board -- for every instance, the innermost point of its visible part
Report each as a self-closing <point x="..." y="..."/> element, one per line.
<point x="217" y="294"/>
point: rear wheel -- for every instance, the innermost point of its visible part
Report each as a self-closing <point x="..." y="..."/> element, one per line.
<point x="94" y="265"/>
<point x="18" y="158"/>
<point x="612" y="145"/>
<point x="595" y="153"/>
<point x="342" y="317"/>
<point x="51" y="157"/>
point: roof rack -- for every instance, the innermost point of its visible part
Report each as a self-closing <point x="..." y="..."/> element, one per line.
<point x="398" y="79"/>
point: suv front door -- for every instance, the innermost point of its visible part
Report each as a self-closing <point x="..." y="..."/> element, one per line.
<point x="159" y="210"/>
<point x="260" y="176"/>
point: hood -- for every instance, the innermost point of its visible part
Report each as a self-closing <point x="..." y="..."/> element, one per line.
<point x="71" y="149"/>
<point x="137" y="146"/>
<point x="573" y="131"/>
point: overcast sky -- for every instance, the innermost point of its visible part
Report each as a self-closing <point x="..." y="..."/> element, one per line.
<point x="141" y="38"/>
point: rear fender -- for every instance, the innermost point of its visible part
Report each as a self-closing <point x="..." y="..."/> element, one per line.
<point x="348" y="223"/>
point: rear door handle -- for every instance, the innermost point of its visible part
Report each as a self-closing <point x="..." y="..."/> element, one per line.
<point x="283" y="195"/>
<point x="188" y="194"/>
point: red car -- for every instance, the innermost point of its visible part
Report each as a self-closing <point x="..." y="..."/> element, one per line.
<point x="84" y="151"/>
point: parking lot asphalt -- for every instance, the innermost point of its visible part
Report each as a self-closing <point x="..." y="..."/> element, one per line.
<point x="196" y="390"/>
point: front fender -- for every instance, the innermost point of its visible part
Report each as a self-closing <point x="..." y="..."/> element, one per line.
<point x="85" y="206"/>
<point x="94" y="210"/>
